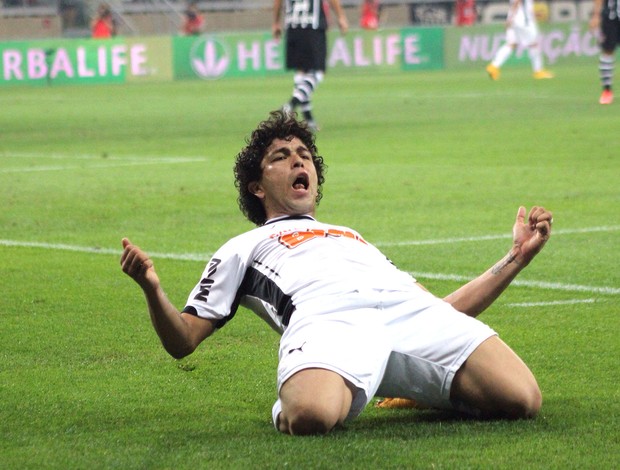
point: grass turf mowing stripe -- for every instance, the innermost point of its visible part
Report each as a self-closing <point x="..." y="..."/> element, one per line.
<point x="117" y="163"/>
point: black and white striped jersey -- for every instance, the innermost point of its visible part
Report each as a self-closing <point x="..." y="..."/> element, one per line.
<point x="611" y="9"/>
<point x="305" y="14"/>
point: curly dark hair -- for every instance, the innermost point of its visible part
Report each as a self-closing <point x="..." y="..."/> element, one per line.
<point x="280" y="125"/>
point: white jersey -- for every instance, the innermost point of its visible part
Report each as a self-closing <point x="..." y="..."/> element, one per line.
<point x="523" y="28"/>
<point x="524" y="14"/>
<point x="288" y="265"/>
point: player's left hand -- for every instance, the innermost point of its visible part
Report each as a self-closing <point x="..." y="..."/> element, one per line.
<point x="530" y="236"/>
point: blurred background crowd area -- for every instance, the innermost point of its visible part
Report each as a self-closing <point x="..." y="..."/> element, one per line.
<point x="32" y="19"/>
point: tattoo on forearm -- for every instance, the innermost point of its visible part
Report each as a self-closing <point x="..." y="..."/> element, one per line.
<point x="499" y="267"/>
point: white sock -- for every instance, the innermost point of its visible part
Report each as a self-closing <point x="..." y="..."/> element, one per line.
<point x="502" y="55"/>
<point x="535" y="54"/>
<point x="275" y="413"/>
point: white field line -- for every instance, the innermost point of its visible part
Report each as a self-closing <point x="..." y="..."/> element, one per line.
<point x="440" y="241"/>
<point x="525" y="283"/>
<point x="552" y="303"/>
<point x="64" y="156"/>
<point x="103" y="164"/>
<point x="203" y="257"/>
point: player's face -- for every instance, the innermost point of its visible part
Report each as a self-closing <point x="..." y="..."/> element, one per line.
<point x="289" y="183"/>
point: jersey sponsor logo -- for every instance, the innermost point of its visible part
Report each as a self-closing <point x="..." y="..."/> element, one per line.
<point x="300" y="348"/>
<point x="207" y="282"/>
<point x="295" y="238"/>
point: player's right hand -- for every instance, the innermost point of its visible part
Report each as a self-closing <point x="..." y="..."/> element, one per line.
<point x="137" y="265"/>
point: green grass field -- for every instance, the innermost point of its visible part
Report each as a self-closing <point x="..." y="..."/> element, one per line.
<point x="431" y="167"/>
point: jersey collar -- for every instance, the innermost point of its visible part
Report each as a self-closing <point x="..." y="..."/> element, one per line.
<point x="289" y="217"/>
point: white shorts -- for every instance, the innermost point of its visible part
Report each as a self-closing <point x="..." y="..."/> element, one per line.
<point x="396" y="344"/>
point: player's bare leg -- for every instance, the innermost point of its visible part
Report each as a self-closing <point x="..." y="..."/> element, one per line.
<point x="314" y="401"/>
<point x="495" y="382"/>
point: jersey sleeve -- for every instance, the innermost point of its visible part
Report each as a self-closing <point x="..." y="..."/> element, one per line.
<point x="215" y="295"/>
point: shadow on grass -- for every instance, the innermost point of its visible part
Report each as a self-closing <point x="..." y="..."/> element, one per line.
<point x="416" y="424"/>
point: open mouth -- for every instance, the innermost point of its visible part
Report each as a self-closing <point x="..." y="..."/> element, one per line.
<point x="301" y="182"/>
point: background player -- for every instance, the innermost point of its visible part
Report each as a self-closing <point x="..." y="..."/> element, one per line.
<point x="521" y="29"/>
<point x="606" y="18"/>
<point x="306" y="48"/>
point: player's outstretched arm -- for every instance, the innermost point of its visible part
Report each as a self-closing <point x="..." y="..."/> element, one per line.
<point x="179" y="333"/>
<point x="529" y="237"/>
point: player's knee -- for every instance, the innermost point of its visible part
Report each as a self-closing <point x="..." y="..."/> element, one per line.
<point x="533" y="403"/>
<point x="308" y="418"/>
<point x="526" y="403"/>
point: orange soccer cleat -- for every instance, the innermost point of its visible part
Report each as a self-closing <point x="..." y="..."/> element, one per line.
<point x="543" y="74"/>
<point x="398" y="403"/>
<point x="493" y="71"/>
<point x="607" y="97"/>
